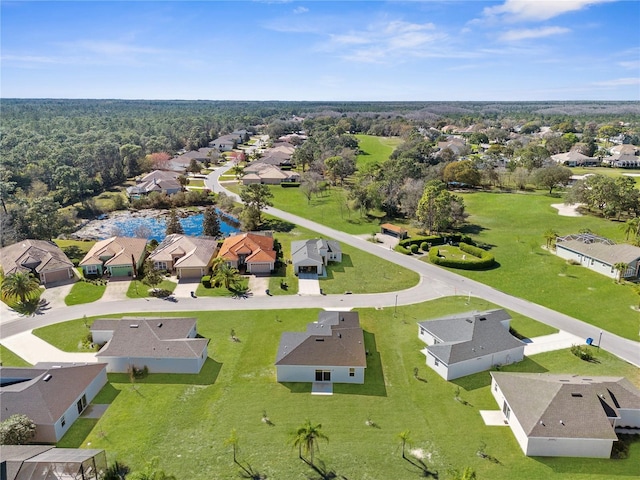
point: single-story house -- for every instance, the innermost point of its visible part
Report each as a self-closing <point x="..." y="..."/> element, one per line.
<point x="160" y="181"/>
<point x="312" y="256"/>
<point x="230" y="141"/>
<point x="163" y="345"/>
<point x="331" y="350"/>
<point x="626" y="149"/>
<point x="468" y="343"/>
<point x="53" y="396"/>
<point x="394" y="231"/>
<point x="566" y="415"/>
<point x="117" y="256"/>
<point x="27" y="462"/>
<point x="42" y="258"/>
<point x="599" y="254"/>
<point x="622" y="160"/>
<point x="251" y="252"/>
<point x="574" y="158"/>
<point x="185" y="256"/>
<point x="259" y="172"/>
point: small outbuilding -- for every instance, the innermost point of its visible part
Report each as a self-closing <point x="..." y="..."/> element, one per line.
<point x="394" y="231"/>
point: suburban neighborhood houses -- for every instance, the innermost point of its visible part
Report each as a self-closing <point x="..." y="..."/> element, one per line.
<point x="208" y="332"/>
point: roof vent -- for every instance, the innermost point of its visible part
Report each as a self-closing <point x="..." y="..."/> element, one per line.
<point x="469" y="320"/>
<point x="339" y="335"/>
<point x="561" y="422"/>
<point x="542" y="423"/>
<point x="482" y="319"/>
<point x="576" y="395"/>
<point x="47" y="377"/>
<point x="133" y="325"/>
<point x="319" y="339"/>
<point x="160" y="325"/>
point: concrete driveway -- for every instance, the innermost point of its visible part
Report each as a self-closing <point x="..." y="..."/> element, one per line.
<point x="308" y="284"/>
<point x="185" y="287"/>
<point x="33" y="349"/>
<point x="549" y="343"/>
<point x="55" y="295"/>
<point x="258" y="285"/>
<point x="116" y="290"/>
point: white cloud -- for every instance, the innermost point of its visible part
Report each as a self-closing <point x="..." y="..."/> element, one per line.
<point x="619" y="82"/>
<point x="299" y="10"/>
<point x="536" y="10"/>
<point x="527" y="33"/>
<point x="631" y="64"/>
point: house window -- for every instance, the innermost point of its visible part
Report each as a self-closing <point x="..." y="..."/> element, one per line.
<point x="82" y="403"/>
<point x="506" y="410"/>
<point x="495" y="387"/>
<point x="422" y="331"/>
<point x="63" y="421"/>
<point x="437" y="362"/>
<point x="160" y="265"/>
<point x="352" y="372"/>
<point x="323" y="376"/>
<point x="91" y="269"/>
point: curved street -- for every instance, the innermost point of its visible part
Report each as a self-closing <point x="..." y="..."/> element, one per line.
<point x="434" y="282"/>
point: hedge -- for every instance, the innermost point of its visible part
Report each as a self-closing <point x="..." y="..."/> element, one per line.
<point x="434" y="240"/>
<point x="290" y="184"/>
<point x="480" y="259"/>
<point x="206" y="281"/>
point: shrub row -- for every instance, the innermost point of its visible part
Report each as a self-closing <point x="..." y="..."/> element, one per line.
<point x="480" y="259"/>
<point x="290" y="184"/>
<point x="434" y="240"/>
<point x="206" y="281"/>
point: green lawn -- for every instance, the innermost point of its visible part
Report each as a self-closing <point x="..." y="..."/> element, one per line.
<point x="513" y="224"/>
<point x="184" y="420"/>
<point x="10" y="359"/>
<point x="196" y="182"/>
<point x="84" y="292"/>
<point x="609" y="172"/>
<point x="138" y="289"/>
<point x="83" y="245"/>
<point x="67" y="336"/>
<point x="375" y="149"/>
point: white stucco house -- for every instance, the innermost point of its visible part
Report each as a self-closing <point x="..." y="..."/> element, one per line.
<point x="599" y="254"/>
<point x="52" y="395"/>
<point x="331" y="350"/>
<point x="566" y="415"/>
<point x="163" y="345"/>
<point x="469" y="343"/>
<point x="312" y="256"/>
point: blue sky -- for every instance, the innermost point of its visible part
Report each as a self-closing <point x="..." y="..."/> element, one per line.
<point x="322" y="50"/>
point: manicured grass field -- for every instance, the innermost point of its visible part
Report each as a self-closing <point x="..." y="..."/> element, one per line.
<point x="83" y="245"/>
<point x="138" y="289"/>
<point x="514" y="224"/>
<point x="66" y="336"/>
<point x="10" y="359"/>
<point x="196" y="182"/>
<point x="609" y="172"/>
<point x="375" y="149"/>
<point x="84" y="292"/>
<point x="184" y="419"/>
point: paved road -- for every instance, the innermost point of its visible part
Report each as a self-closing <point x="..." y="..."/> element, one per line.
<point x="434" y="283"/>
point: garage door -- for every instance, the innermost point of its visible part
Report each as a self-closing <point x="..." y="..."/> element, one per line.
<point x="57" y="276"/>
<point x="190" y="272"/>
<point x="260" y="267"/>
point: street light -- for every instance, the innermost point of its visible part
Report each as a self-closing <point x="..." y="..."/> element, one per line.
<point x="600" y="340"/>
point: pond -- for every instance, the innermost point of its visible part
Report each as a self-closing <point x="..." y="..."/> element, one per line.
<point x="149" y="224"/>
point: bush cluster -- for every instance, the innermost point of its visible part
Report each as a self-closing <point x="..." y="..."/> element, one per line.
<point x="434" y="240"/>
<point x="582" y="353"/>
<point x="206" y="281"/>
<point x="480" y="259"/>
<point x="290" y="184"/>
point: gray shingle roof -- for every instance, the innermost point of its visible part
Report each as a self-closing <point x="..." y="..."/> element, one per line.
<point x="39" y="255"/>
<point x="470" y="335"/>
<point x="336" y="339"/>
<point x="609" y="254"/>
<point x="150" y="338"/>
<point x="566" y="406"/>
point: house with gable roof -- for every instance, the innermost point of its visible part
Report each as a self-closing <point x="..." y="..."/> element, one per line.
<point x="563" y="415"/>
<point x="163" y="345"/>
<point x="331" y="350"/>
<point x="468" y="343"/>
<point x="42" y="258"/>
<point x="250" y="252"/>
<point x="185" y="256"/>
<point x="117" y="256"/>
<point x="312" y="256"/>
<point x="600" y="254"/>
<point x="160" y="181"/>
<point x="53" y="396"/>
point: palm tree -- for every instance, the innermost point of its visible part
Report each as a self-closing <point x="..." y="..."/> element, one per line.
<point x="405" y="439"/>
<point x="226" y="276"/>
<point x="550" y="236"/>
<point x="620" y="267"/>
<point x="306" y="439"/>
<point x="234" y="442"/>
<point x="630" y="227"/>
<point x="21" y="285"/>
<point x="152" y="472"/>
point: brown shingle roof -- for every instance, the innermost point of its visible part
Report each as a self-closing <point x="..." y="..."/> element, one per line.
<point x="41" y="399"/>
<point x="336" y="339"/>
<point x="566" y="406"/>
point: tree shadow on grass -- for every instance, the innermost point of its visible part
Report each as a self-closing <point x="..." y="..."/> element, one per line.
<point x="324" y="472"/>
<point x="472" y="229"/>
<point x="339" y="267"/>
<point x="277" y="225"/>
<point x="374" y="376"/>
<point x="207" y="376"/>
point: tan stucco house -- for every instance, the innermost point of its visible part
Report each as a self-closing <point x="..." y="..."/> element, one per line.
<point x="42" y="258"/>
<point x="185" y="256"/>
<point x="117" y="256"/>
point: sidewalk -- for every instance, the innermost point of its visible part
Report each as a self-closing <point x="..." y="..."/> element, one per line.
<point x="33" y="350"/>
